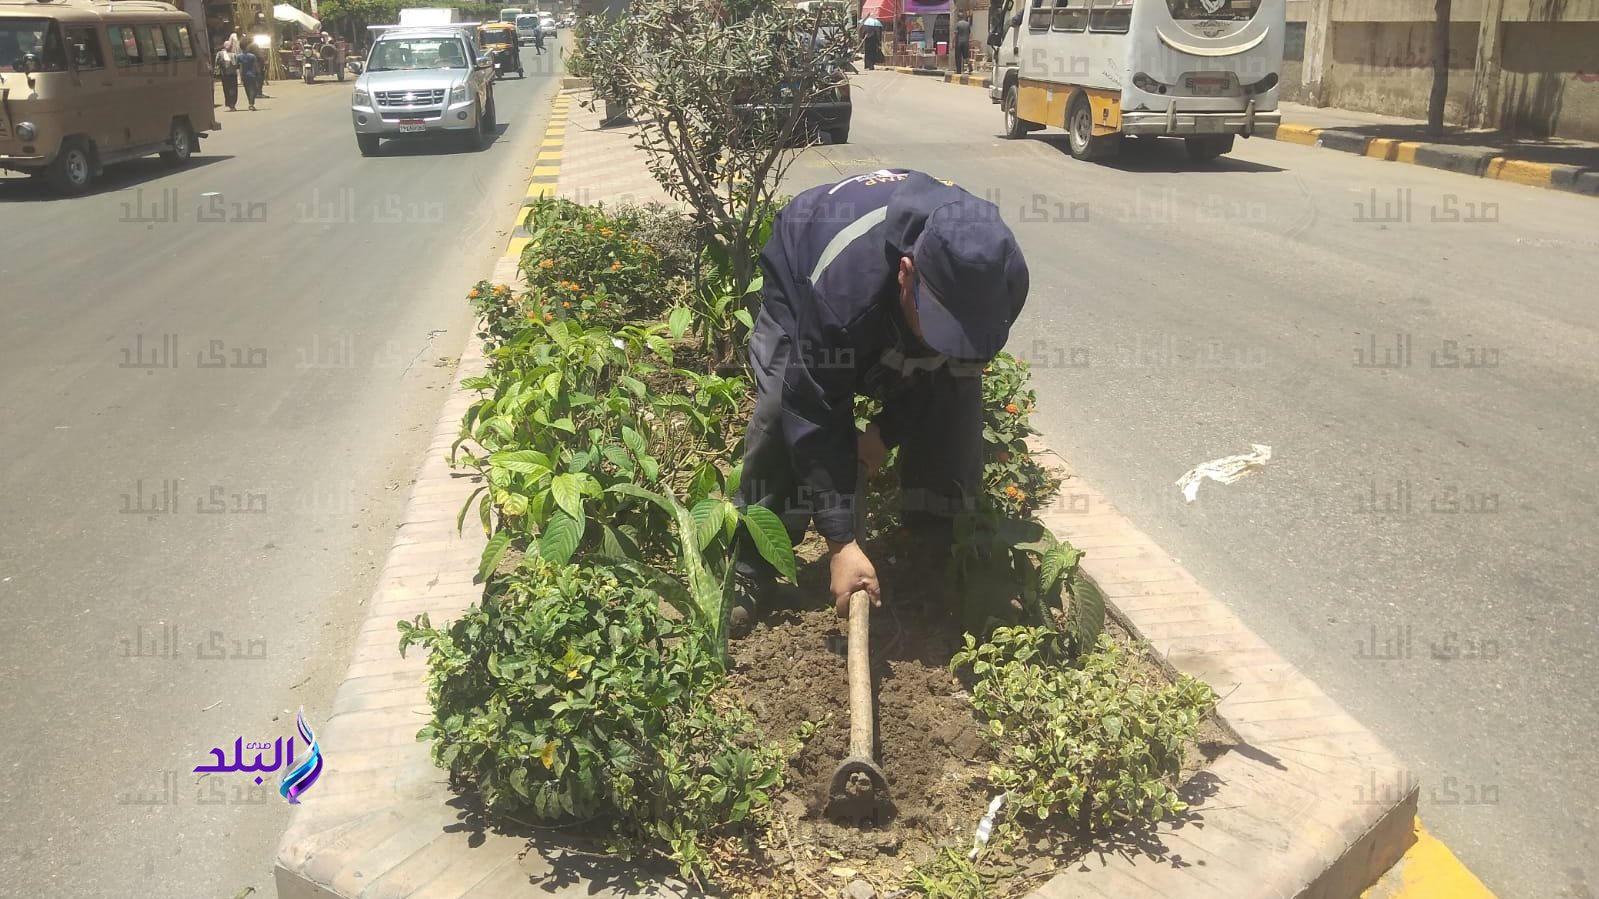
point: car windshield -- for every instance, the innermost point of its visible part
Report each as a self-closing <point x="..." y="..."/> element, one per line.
<point x="20" y="37"/>
<point x="398" y="54"/>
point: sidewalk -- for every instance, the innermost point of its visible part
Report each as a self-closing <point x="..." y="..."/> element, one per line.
<point x="1556" y="163"/>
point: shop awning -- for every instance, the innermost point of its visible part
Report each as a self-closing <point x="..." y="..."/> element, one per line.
<point x="283" y="12"/>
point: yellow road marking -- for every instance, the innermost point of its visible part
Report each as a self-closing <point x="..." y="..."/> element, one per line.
<point x="1428" y="870"/>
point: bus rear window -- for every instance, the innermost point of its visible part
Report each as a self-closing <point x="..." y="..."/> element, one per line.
<point x="1224" y="10"/>
<point x="1111" y="16"/>
<point x="1071" y="15"/>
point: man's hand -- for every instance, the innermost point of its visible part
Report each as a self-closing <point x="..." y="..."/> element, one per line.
<point x="852" y="571"/>
<point x="871" y="450"/>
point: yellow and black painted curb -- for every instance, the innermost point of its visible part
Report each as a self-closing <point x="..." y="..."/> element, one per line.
<point x="1428" y="870"/>
<point x="546" y="172"/>
<point x="1484" y="162"/>
<point x="946" y="77"/>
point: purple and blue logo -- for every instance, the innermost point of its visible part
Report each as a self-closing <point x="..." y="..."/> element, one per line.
<point x="299" y="777"/>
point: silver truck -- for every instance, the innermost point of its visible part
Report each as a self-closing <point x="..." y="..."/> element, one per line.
<point x="424" y="80"/>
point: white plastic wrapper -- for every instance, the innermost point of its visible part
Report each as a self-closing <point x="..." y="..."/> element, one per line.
<point x="985" y="827"/>
<point x="1224" y="470"/>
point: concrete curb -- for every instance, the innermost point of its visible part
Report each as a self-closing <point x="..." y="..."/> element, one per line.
<point x="1483" y="162"/>
<point x="946" y="77"/>
<point x="1312" y="807"/>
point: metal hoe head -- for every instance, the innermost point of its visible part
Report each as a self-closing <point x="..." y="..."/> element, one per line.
<point x="859" y="792"/>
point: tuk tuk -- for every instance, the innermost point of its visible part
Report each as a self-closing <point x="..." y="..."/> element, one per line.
<point x="498" y="39"/>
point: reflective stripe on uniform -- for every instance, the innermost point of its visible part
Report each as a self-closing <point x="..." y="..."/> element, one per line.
<point x="847" y="236"/>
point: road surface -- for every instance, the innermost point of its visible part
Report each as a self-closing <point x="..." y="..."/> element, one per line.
<point x="218" y="384"/>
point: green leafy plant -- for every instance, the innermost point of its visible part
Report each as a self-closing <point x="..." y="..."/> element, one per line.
<point x="565" y="694"/>
<point x="1015" y="570"/>
<point x="949" y="875"/>
<point x="1090" y="739"/>
<point x="1013" y="481"/>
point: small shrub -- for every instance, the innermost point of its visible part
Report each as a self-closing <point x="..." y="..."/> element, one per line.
<point x="1013" y="481"/>
<point x="1092" y="739"/>
<point x="565" y="694"/>
<point x="586" y="264"/>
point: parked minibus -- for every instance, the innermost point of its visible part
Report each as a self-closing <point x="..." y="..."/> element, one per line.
<point x="88" y="83"/>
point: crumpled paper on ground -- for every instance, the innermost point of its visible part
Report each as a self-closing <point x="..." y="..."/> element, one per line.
<point x="1224" y="470"/>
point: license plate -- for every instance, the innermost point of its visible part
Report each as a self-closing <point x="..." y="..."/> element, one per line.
<point x="408" y="126"/>
<point x="1210" y="125"/>
<point x="1207" y="87"/>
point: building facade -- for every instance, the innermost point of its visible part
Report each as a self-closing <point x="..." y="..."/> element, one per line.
<point x="1528" y="66"/>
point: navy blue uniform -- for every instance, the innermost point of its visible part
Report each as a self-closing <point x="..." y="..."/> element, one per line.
<point x="831" y="327"/>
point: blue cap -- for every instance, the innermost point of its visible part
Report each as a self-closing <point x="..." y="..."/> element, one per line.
<point x="971" y="278"/>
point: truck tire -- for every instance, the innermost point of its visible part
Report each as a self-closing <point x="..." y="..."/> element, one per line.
<point x="182" y="139"/>
<point x="73" y="169"/>
<point x="1080" y="132"/>
<point x="1204" y="149"/>
<point x="1014" y="126"/>
<point x="368" y="144"/>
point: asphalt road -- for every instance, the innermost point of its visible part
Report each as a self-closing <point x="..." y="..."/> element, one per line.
<point x="1423" y="542"/>
<point x="217" y="384"/>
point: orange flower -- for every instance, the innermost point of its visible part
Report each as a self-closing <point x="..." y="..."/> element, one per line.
<point x="567" y="304"/>
<point x="1011" y="408"/>
<point x="616" y="266"/>
<point x="1012" y="492"/>
<point x="549" y="316"/>
<point x="501" y="288"/>
<point x="547" y="263"/>
<point x="473" y="293"/>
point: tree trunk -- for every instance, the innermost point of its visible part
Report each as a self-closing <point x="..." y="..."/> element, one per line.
<point x="1440" y="68"/>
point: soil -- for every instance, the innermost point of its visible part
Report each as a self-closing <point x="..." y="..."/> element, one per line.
<point x="790" y="671"/>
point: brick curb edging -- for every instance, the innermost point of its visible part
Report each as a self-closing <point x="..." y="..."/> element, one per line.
<point x="1285" y="816"/>
<point x="1484" y="162"/>
<point x="1311" y="804"/>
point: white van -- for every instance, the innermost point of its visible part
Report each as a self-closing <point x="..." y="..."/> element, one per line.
<point x="527" y="29"/>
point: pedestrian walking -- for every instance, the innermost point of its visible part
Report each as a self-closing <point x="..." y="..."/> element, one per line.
<point x="872" y="43"/>
<point x="963" y="34"/>
<point x="893" y="285"/>
<point x="227" y="69"/>
<point x="538" y="40"/>
<point x="250" y="74"/>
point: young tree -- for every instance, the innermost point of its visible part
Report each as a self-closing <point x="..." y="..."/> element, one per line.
<point x="719" y="90"/>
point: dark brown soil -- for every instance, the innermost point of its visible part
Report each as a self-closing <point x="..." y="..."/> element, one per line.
<point x="790" y="670"/>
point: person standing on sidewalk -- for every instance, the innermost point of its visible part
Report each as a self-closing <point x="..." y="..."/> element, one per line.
<point x="963" y="34"/>
<point x="250" y="74"/>
<point x="894" y="285"/>
<point x="872" y="44"/>
<point x="227" y="67"/>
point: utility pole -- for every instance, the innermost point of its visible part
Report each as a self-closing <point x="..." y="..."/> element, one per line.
<point x="1440" y="67"/>
<point x="1318" y="39"/>
<point x="1488" y="71"/>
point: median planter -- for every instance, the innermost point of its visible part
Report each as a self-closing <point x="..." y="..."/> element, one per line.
<point x="595" y="687"/>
